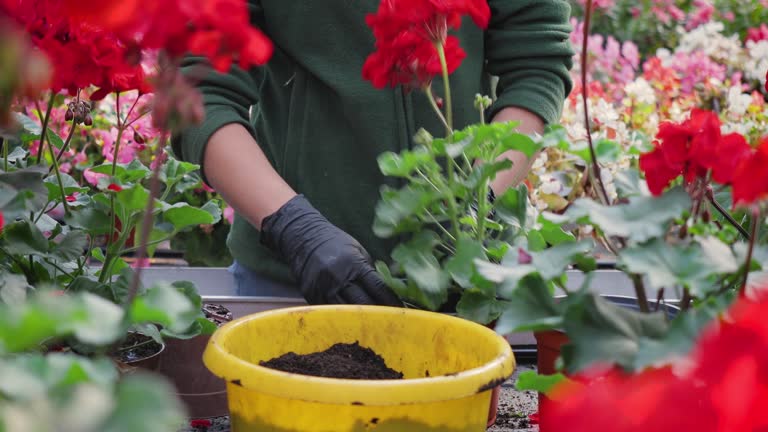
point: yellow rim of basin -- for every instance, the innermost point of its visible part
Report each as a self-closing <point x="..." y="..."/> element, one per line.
<point x="364" y="392"/>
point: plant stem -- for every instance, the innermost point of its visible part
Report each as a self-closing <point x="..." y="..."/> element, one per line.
<point x="600" y="187"/>
<point x="152" y="243"/>
<point x="44" y="129"/>
<point x="433" y="104"/>
<point x="482" y="211"/>
<point x="5" y="155"/>
<point x="642" y="297"/>
<point x="59" y="180"/>
<point x="116" y="148"/>
<point x="146" y="226"/>
<point x="66" y="144"/>
<point x="447" y="86"/>
<point x="752" y="237"/>
<point x="685" y="302"/>
<point x="727" y="215"/>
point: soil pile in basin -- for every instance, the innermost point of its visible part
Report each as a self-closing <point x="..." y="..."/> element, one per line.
<point x="344" y="361"/>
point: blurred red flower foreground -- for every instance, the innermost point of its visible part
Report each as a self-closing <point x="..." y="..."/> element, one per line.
<point x="722" y="386"/>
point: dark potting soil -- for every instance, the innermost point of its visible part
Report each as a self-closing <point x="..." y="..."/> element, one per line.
<point x="345" y="361"/>
<point x="137" y="347"/>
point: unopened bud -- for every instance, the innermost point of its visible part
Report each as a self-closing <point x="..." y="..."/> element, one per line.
<point x="88" y="120"/>
<point x="138" y="138"/>
<point x="706" y="216"/>
<point x="683" y="233"/>
<point x="69" y="115"/>
<point x="439" y="102"/>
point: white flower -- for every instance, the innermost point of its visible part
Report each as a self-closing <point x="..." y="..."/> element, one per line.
<point x="605" y="112"/>
<point x="709" y="39"/>
<point x="641" y="91"/>
<point x="757" y="60"/>
<point x="550" y="185"/>
<point x="738" y="102"/>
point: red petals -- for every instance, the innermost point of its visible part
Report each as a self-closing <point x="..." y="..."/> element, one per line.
<point x="200" y="423"/>
<point x="723" y="388"/>
<point x="695" y="147"/>
<point x="114" y="187"/>
<point x="750" y="179"/>
<point x="71" y="198"/>
<point x="409" y="34"/>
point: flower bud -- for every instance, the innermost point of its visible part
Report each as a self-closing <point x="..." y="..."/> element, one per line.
<point x="69" y="115"/>
<point x="138" y="138"/>
<point x="88" y="120"/>
<point x="706" y="216"/>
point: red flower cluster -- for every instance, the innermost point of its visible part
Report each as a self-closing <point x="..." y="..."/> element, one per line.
<point x="409" y="34"/>
<point x="102" y="43"/>
<point x="723" y="386"/>
<point x="82" y="55"/>
<point x="696" y="147"/>
<point x="218" y="29"/>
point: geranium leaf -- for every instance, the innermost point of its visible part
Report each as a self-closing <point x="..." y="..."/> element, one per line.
<point x="668" y="265"/>
<point x="183" y="215"/>
<point x="642" y="219"/>
<point x="533" y="381"/>
<point x="602" y="332"/>
<point x="420" y="265"/>
<point x="461" y="265"/>
<point x="477" y="307"/>
<point x="530" y="307"/>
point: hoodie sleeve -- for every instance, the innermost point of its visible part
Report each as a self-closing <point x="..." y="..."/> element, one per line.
<point x="227" y="99"/>
<point x="527" y="47"/>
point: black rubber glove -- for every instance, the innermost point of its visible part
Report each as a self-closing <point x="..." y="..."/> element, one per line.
<point x="330" y="265"/>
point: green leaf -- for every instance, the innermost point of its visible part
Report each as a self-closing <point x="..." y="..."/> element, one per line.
<point x="101" y="323"/>
<point x="397" y="285"/>
<point x="602" y="332"/>
<point x="629" y="183"/>
<point x="120" y="286"/>
<point x="512" y="206"/>
<point x="403" y="164"/>
<point x="70" y="247"/>
<point x="182" y="216"/>
<point x="642" y="219"/>
<point x="133" y="199"/>
<point x="683" y="332"/>
<point x="24" y="238"/>
<point x="461" y="265"/>
<point x="124" y="173"/>
<point x="479" y="308"/>
<point x="531" y="380"/>
<point x="395" y="207"/>
<point x="173" y="170"/>
<point x="668" y="265"/>
<point x="145" y="403"/>
<point x="22" y="191"/>
<point x="91" y="218"/>
<point x="554" y="234"/>
<point x="530" y="307"/>
<point x="605" y="150"/>
<point x="70" y="186"/>
<point x="485" y="171"/>
<point x="522" y="143"/>
<point x="420" y="265"/>
<point x="91" y="285"/>
<point x="554" y="261"/>
<point x="13" y="288"/>
<point x="164" y="305"/>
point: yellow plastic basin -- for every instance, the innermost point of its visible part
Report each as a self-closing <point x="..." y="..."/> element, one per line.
<point x="450" y="366"/>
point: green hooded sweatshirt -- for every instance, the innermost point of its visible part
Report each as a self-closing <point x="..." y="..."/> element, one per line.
<point x="322" y="126"/>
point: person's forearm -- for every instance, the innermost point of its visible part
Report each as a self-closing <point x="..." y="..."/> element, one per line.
<point x="529" y="124"/>
<point x="237" y="169"/>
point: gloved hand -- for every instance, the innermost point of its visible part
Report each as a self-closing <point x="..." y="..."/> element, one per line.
<point x="330" y="265"/>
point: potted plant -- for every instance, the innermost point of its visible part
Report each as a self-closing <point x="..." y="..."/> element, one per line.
<point x="670" y="234"/>
<point x="75" y="206"/>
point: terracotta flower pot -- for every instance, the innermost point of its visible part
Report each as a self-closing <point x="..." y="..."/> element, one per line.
<point x="204" y="394"/>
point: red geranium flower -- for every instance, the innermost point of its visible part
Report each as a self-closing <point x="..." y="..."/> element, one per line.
<point x="750" y="179"/>
<point x="114" y="187"/>
<point x="693" y="148"/>
<point x="409" y="34"/>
